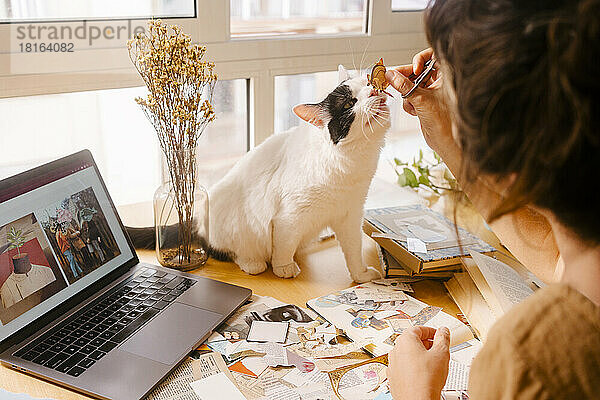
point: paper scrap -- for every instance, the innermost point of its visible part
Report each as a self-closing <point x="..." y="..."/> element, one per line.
<point x="297" y="378"/>
<point x="416" y="245"/>
<point x="385" y="314"/>
<point x="422" y="233"/>
<point x="330" y="364"/>
<point x="458" y="376"/>
<point x="301" y="363"/>
<point x="249" y="386"/>
<point x="275" y="389"/>
<point x="399" y="325"/>
<point x="216" y="387"/>
<point x="425" y="315"/>
<point x="209" y="364"/>
<point x="267" y="331"/>
<point x="388" y="236"/>
<point x="275" y="354"/>
<point x="317" y="391"/>
<point x="376" y="295"/>
<point x="251" y="366"/>
<point x="465" y="352"/>
<point x="411" y="308"/>
<point x="394" y="283"/>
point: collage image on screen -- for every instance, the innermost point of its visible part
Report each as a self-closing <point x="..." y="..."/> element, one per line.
<point x="43" y="252"/>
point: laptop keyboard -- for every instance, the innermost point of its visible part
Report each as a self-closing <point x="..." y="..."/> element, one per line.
<point x="85" y="337"/>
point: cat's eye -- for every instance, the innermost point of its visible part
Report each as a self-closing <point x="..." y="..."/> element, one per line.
<point x="349" y="104"/>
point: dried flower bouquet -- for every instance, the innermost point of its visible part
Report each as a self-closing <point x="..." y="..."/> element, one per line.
<point x="180" y="88"/>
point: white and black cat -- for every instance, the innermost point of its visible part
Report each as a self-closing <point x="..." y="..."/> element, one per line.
<point x="296" y="183"/>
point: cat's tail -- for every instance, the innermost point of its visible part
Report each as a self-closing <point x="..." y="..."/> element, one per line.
<point x="145" y="238"/>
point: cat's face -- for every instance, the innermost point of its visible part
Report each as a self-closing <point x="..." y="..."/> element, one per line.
<point x="352" y="111"/>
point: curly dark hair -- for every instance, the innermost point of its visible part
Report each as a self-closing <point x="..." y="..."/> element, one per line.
<point x="526" y="78"/>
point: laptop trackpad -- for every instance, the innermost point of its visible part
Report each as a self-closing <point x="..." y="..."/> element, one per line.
<point x="169" y="336"/>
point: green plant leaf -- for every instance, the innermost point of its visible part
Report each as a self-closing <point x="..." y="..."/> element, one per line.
<point x="402" y="179"/>
<point x="424" y="180"/>
<point x="15" y="238"/>
<point x="399" y="162"/>
<point x="411" y="178"/>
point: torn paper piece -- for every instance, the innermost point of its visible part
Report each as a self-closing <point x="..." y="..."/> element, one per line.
<point x="267" y="331"/>
<point x="297" y="378"/>
<point x="327" y="332"/>
<point x="219" y="345"/>
<point x="364" y="294"/>
<point x="209" y="364"/>
<point x="301" y="363"/>
<point x="249" y="386"/>
<point x="318" y="391"/>
<point x="390" y="236"/>
<point x="411" y="307"/>
<point x="454" y="395"/>
<point x="275" y="389"/>
<point x="275" y="353"/>
<point x="464" y="353"/>
<point x="216" y="387"/>
<point x="399" y="325"/>
<point x="425" y="315"/>
<point x="416" y="245"/>
<point x="363" y="381"/>
<point x="251" y="366"/>
<point x="381" y="315"/>
<point x="458" y="376"/>
<point x="394" y="283"/>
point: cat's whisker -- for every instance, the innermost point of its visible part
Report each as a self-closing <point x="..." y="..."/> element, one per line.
<point x="352" y="53"/>
<point x="382" y="113"/>
<point x="370" y="126"/>
<point x="376" y="119"/>
<point x="364" y="54"/>
<point x="362" y="125"/>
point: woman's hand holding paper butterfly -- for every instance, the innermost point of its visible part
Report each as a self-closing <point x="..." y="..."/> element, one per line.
<point x="427" y="102"/>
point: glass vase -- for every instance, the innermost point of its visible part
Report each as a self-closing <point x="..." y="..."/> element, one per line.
<point x="181" y="223"/>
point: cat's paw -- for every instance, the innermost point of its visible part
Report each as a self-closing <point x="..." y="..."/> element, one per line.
<point x="290" y="270"/>
<point x="253" y="267"/>
<point x="368" y="275"/>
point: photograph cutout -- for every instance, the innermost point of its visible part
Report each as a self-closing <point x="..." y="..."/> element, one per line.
<point x="29" y="273"/>
<point x="79" y="234"/>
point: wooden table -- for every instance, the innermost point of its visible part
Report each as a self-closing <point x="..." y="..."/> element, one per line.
<point x="323" y="272"/>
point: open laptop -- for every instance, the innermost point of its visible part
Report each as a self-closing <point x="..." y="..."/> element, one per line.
<point x="77" y="307"/>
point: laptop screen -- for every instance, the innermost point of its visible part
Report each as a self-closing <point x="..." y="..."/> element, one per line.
<point x="59" y="233"/>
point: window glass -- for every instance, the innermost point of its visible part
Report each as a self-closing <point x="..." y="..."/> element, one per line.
<point x="409" y="5"/>
<point x="403" y="140"/>
<point x="38" y="129"/>
<point x="251" y="18"/>
<point x="64" y="10"/>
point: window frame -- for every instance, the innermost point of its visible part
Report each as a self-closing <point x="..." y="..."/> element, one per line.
<point x="395" y="36"/>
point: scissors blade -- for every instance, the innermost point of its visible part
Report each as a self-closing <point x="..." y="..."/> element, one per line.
<point x="423" y="77"/>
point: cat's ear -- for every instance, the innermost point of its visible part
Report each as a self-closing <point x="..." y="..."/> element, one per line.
<point x="311" y="113"/>
<point x="342" y="74"/>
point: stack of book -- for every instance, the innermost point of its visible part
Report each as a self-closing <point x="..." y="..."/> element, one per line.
<point x="489" y="288"/>
<point x="418" y="242"/>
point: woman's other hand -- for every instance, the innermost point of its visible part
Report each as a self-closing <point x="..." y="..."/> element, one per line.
<point x="427" y="103"/>
<point x="418" y="364"/>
